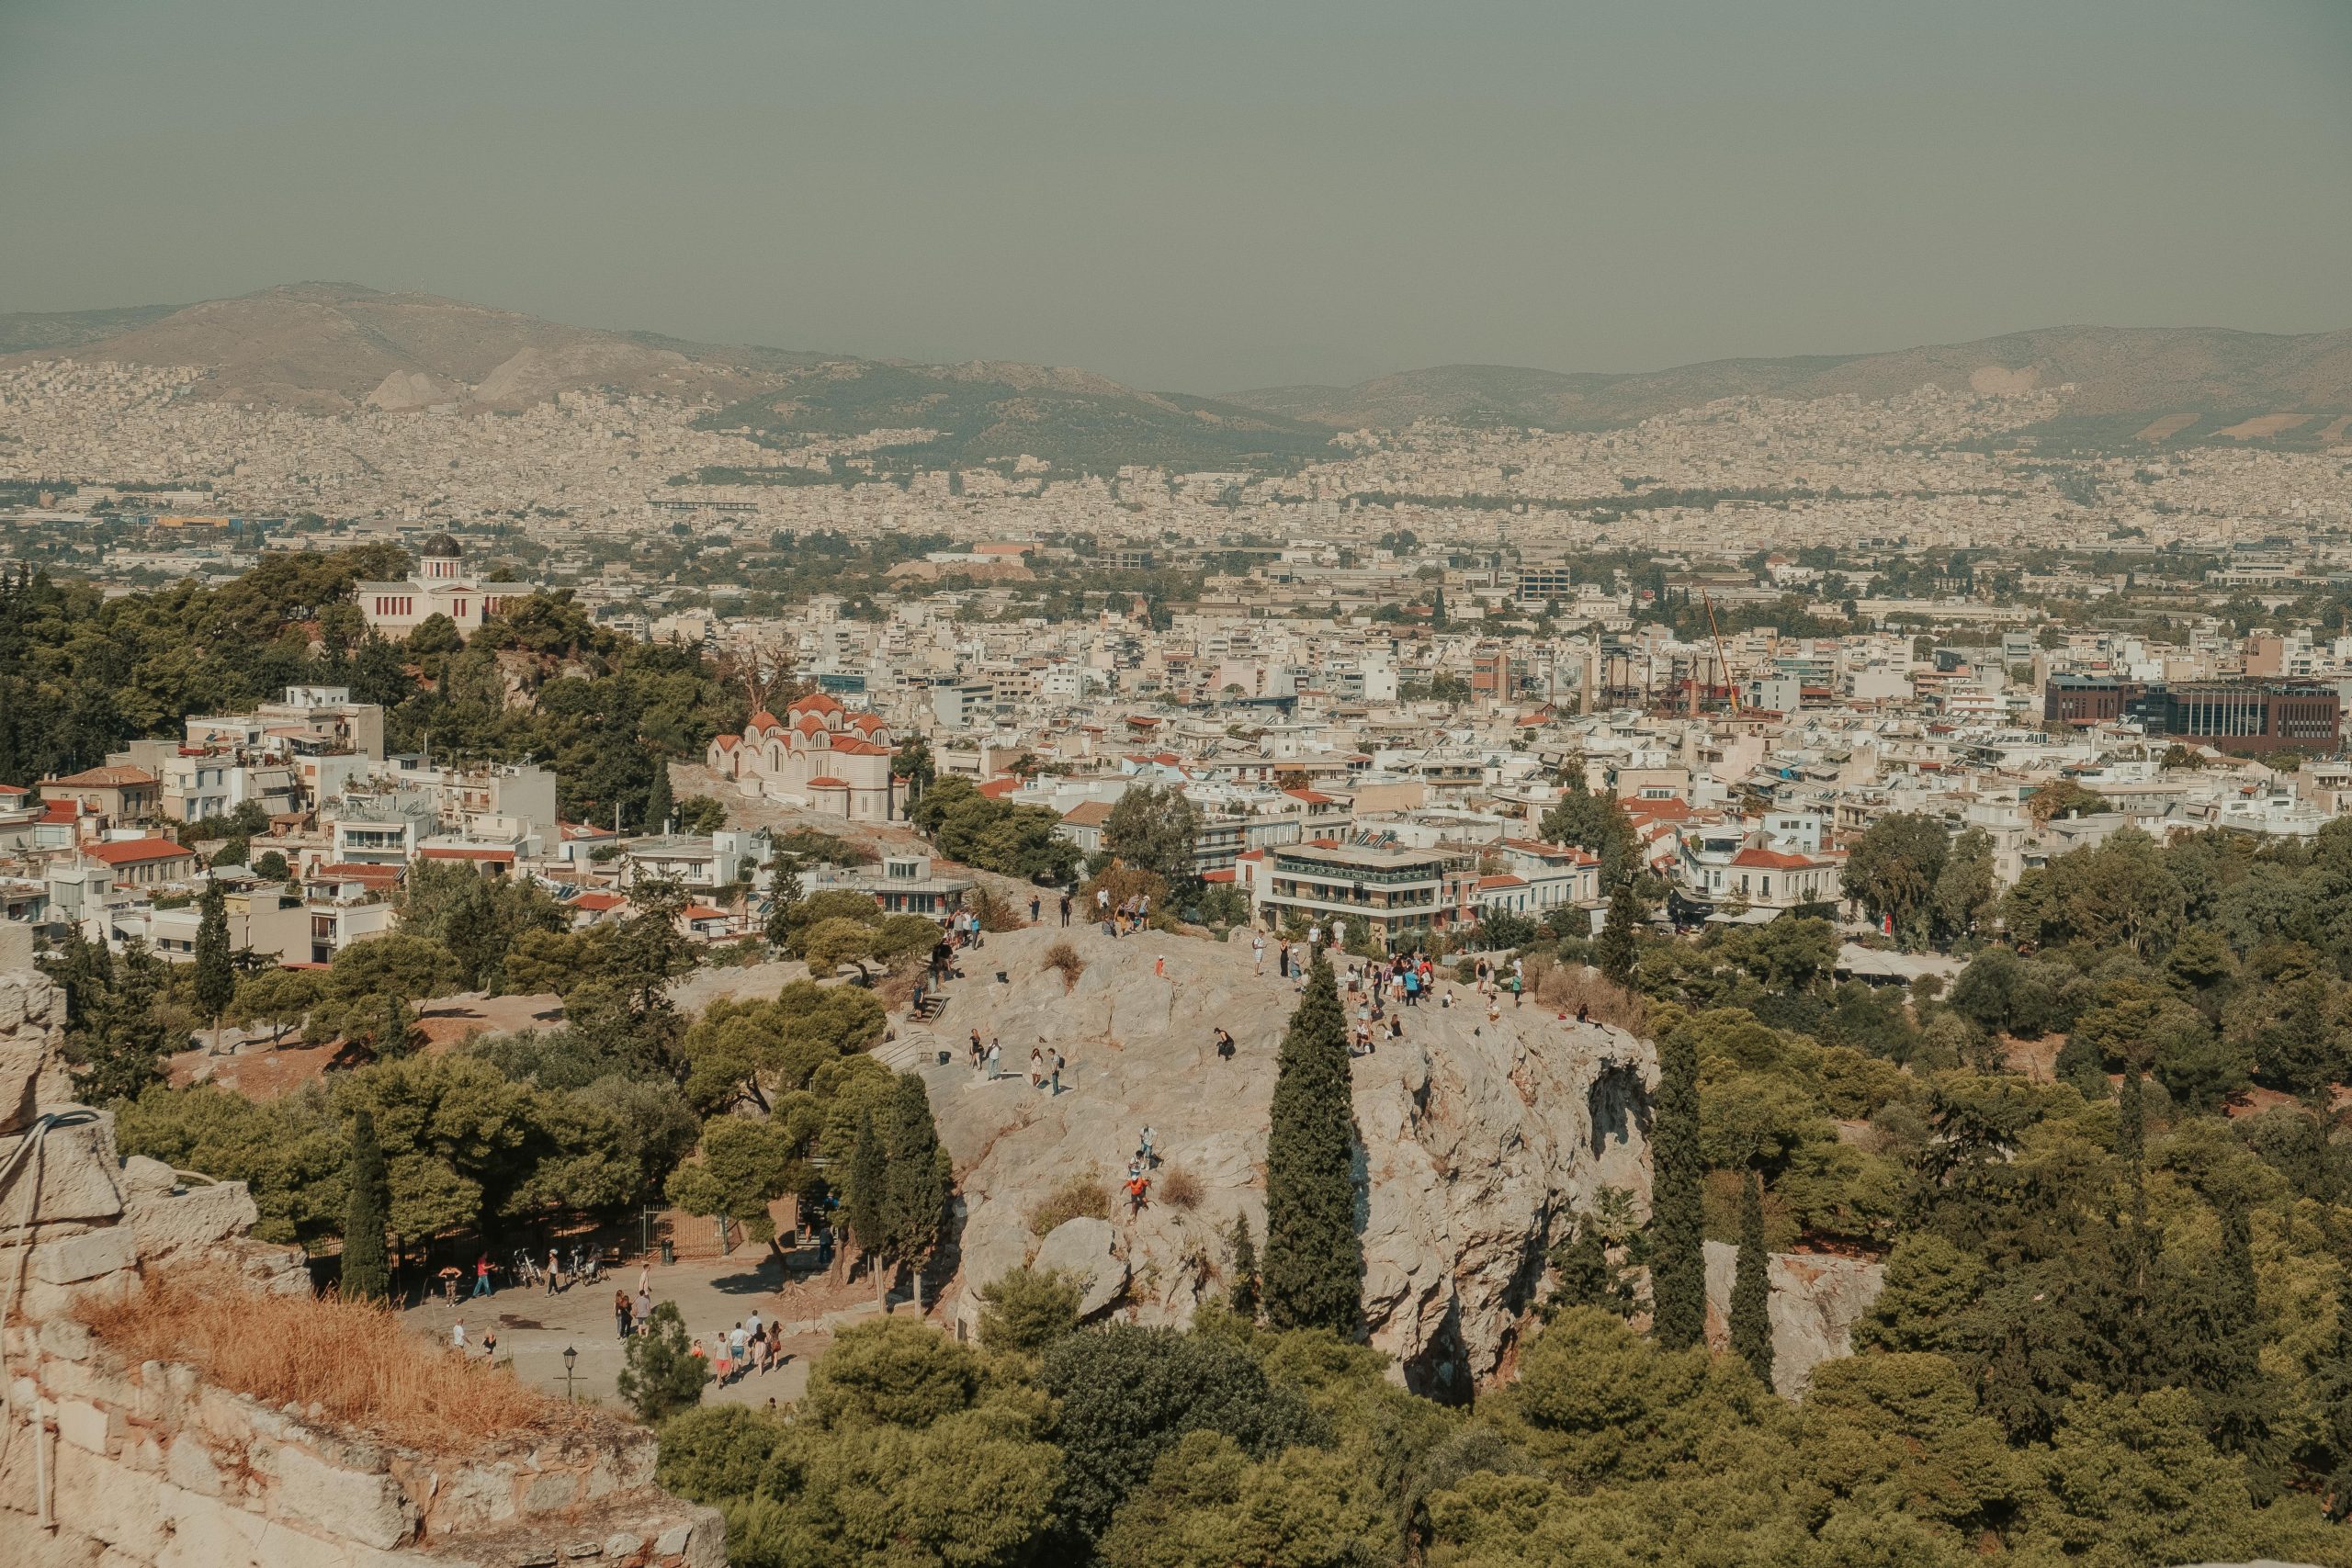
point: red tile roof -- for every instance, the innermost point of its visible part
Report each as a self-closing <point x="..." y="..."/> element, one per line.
<point x="104" y="778"/>
<point x="1770" y="860"/>
<point x="138" y="851"/>
<point x="828" y="781"/>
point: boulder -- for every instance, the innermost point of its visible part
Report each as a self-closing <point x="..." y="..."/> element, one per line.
<point x="1082" y="1249"/>
<point x="183" y="1224"/>
<point x="1479" y="1137"/>
<point x="70" y="1176"/>
<point x="1817" y="1300"/>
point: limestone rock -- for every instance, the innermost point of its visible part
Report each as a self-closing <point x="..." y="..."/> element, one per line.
<point x="1479" y="1137"/>
<point x="189" y="1223"/>
<point x="1817" y="1301"/>
<point x="72" y="1174"/>
<point x="142" y="1176"/>
<point x="1082" y="1250"/>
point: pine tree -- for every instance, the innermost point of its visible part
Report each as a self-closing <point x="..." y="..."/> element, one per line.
<point x="915" y="1179"/>
<point x="1242" y="1270"/>
<point x="862" y="1204"/>
<point x="659" y="807"/>
<point x="1314" y="1259"/>
<point x="216" y="975"/>
<point x="1617" y="949"/>
<point x="367" y="1214"/>
<point x="660" y="1374"/>
<point x="1751" y="1285"/>
<point x="1678" y="1228"/>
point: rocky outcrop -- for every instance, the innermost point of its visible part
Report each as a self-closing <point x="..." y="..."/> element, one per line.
<point x="1480" y="1135"/>
<point x="1817" y="1300"/>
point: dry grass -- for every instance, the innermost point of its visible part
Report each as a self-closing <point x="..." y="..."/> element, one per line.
<point x="1180" y="1187"/>
<point x="354" y="1363"/>
<point x="1565" y="986"/>
<point x="1084" y="1196"/>
<point x="1064" y="957"/>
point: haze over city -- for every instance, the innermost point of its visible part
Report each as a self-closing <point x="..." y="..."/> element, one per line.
<point x="1209" y="197"/>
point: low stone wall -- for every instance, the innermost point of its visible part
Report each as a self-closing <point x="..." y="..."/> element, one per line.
<point x="150" y="1467"/>
<point x="105" y="1464"/>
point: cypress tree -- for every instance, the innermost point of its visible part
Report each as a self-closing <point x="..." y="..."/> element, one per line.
<point x="1241" y="1289"/>
<point x="366" y="1214"/>
<point x="394" y="1029"/>
<point x="1751" y="1286"/>
<point x="1314" y="1259"/>
<point x="216" y="976"/>
<point x="1617" y="949"/>
<point x="915" y="1180"/>
<point x="659" y="807"/>
<point x="862" y="1204"/>
<point x="1678" y="1227"/>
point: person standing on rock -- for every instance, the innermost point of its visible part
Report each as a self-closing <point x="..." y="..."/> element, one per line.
<point x="1064" y="910"/>
<point x="995" y="1061"/>
<point x="1258" y="950"/>
<point x="1036" y="1067"/>
<point x="1059" y="1063"/>
<point x="1036" y="910"/>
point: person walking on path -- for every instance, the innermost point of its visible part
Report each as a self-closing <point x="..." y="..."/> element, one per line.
<point x="622" y="1316"/>
<point x="640" y="1310"/>
<point x="554" y="1263"/>
<point x="481" y="1275"/>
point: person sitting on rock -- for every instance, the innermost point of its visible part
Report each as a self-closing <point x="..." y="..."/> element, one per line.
<point x="1224" y="1046"/>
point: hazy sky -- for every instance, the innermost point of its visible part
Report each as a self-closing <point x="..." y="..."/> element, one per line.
<point x="1203" y="196"/>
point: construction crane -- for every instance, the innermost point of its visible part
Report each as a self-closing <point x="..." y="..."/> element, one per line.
<point x="1723" y="664"/>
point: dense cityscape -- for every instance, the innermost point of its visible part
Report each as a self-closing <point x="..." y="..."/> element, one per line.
<point x="1028" y="786"/>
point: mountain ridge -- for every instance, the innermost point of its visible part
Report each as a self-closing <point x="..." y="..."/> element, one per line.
<point x="336" y="347"/>
<point x="2115" y="370"/>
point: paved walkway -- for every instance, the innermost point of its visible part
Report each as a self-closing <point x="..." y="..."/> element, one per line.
<point x="534" y="1328"/>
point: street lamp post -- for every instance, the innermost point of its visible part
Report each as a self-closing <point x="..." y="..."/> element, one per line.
<point x="570" y="1389"/>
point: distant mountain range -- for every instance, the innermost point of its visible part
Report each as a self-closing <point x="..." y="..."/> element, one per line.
<point x="2128" y="382"/>
<point x="336" y="347"/>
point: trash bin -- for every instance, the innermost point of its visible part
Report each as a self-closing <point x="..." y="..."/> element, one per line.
<point x="669" y="1253"/>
